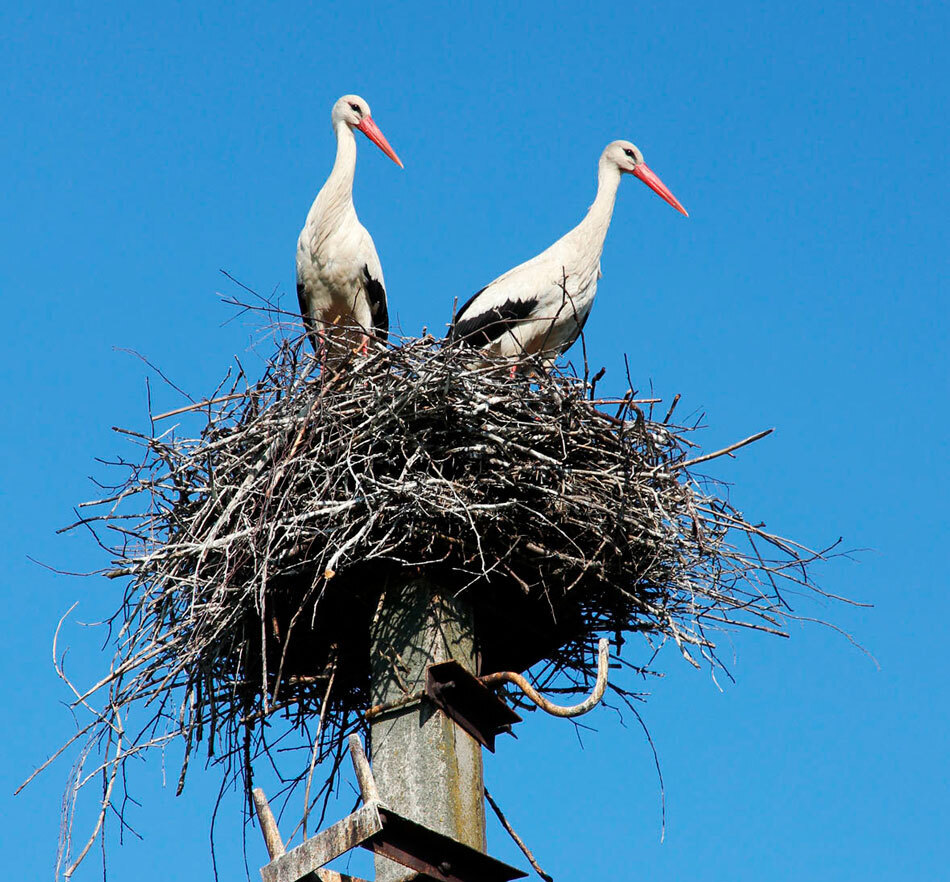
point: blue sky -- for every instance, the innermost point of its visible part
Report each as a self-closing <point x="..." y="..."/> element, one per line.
<point x="144" y="150"/>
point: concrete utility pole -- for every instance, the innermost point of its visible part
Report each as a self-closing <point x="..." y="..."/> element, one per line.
<point x="427" y="768"/>
<point x="423" y="809"/>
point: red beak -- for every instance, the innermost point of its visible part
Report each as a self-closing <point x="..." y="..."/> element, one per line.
<point x="643" y="172"/>
<point x="371" y="130"/>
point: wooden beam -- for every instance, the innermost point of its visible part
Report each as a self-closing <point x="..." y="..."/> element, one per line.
<point x="265" y="817"/>
<point x="364" y="775"/>
<point x="318" y="850"/>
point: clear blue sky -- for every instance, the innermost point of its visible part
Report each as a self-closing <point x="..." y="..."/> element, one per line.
<point x="144" y="149"/>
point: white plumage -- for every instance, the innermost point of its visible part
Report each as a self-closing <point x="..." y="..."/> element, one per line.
<point x="540" y="306"/>
<point x="340" y="284"/>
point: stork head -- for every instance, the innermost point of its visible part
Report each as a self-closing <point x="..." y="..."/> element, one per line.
<point x="629" y="160"/>
<point x="354" y="112"/>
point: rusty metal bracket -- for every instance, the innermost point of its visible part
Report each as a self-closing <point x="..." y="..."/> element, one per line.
<point x="379" y="829"/>
<point x="469" y="702"/>
<point x="574" y="710"/>
<point x="435" y="855"/>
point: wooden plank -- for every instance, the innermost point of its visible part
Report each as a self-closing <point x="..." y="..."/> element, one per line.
<point x="275" y="845"/>
<point x="364" y="774"/>
<point x="334" y="876"/>
<point x="318" y="850"/>
<point x="265" y="817"/>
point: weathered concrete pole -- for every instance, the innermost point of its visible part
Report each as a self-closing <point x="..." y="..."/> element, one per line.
<point x="427" y="768"/>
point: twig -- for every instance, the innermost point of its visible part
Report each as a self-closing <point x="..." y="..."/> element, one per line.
<point x="517" y="839"/>
<point x="724" y="451"/>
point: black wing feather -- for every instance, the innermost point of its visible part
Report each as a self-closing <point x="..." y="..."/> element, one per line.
<point x="465" y="307"/>
<point x="305" y="315"/>
<point x="484" y="328"/>
<point x="378" y="308"/>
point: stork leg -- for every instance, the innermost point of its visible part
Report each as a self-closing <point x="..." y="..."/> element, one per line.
<point x="323" y="350"/>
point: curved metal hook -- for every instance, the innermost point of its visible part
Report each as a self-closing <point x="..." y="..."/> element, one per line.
<point x="557" y="710"/>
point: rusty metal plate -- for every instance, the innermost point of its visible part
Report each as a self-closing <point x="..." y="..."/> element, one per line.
<point x="435" y="855"/>
<point x="468" y="702"/>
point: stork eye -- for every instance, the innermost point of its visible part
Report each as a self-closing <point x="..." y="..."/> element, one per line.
<point x="629" y="153"/>
<point x="356" y="107"/>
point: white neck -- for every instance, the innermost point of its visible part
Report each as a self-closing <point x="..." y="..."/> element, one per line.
<point x="599" y="214"/>
<point x="590" y="233"/>
<point x="334" y="202"/>
<point x="339" y="186"/>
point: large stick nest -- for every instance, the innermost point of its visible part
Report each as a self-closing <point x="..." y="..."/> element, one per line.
<point x="255" y="551"/>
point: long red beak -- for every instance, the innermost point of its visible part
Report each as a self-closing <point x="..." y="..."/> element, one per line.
<point x="643" y="172"/>
<point x="371" y="130"/>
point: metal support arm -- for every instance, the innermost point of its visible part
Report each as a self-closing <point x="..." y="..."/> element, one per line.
<point x="557" y="710"/>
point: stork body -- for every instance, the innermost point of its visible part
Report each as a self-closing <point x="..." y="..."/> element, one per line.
<point x="340" y="284"/>
<point x="540" y="307"/>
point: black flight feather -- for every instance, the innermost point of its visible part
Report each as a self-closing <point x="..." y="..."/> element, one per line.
<point x="486" y="327"/>
<point x="305" y="315"/>
<point x="376" y="295"/>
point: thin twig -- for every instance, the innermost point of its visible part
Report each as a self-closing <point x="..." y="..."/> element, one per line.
<point x="517" y="839"/>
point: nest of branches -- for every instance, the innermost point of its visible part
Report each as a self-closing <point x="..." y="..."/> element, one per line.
<point x="256" y="545"/>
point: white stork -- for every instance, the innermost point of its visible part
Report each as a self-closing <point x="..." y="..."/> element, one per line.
<point x="339" y="278"/>
<point x="541" y="306"/>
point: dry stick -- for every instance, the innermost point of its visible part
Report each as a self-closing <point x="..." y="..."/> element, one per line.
<point x="198" y="406"/>
<point x="378" y="709"/>
<point x="595" y="380"/>
<point x="518" y="840"/>
<point x="316" y="744"/>
<point x="106" y="796"/>
<point x="669" y="413"/>
<point x="157" y="370"/>
<point x="724" y="451"/>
